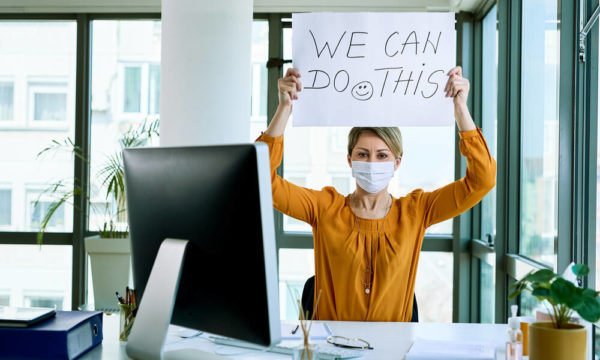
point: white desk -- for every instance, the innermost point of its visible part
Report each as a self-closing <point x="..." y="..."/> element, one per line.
<point x="390" y="340"/>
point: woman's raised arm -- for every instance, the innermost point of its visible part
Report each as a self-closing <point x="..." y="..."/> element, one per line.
<point x="288" y="86"/>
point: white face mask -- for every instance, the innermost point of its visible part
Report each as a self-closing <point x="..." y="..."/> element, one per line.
<point x="373" y="176"/>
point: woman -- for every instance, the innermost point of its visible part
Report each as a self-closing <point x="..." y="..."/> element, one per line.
<point x="367" y="244"/>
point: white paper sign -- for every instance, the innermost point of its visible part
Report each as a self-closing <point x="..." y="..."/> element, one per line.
<point x="373" y="69"/>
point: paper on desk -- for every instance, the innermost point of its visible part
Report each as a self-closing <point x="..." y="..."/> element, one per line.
<point x="451" y="350"/>
<point x="317" y="332"/>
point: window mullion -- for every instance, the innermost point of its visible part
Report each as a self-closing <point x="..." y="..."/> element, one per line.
<point x="81" y="172"/>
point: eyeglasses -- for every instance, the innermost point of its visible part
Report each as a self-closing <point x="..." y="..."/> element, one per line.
<point x="349" y="343"/>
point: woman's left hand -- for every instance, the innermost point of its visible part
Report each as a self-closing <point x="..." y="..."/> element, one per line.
<point x="457" y="86"/>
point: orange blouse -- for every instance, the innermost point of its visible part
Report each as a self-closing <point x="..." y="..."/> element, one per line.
<point x="345" y="244"/>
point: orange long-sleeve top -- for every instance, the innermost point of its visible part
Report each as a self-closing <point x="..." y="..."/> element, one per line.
<point x="345" y="244"/>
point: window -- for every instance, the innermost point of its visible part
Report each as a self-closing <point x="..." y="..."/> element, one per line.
<point x="341" y="183"/>
<point x="295" y="267"/>
<point x="487" y="284"/>
<point x="132" y="93"/>
<point x="37" y="212"/>
<point x="125" y="92"/>
<point x="39" y="276"/>
<point x="154" y="90"/>
<point x="4" y="300"/>
<point x="39" y="57"/>
<point x="489" y="106"/>
<point x="434" y="285"/>
<point x="540" y="40"/>
<point x="529" y="304"/>
<point x="6" y="100"/>
<point x="47" y="301"/>
<point x="5" y="207"/>
<point x="48" y="101"/>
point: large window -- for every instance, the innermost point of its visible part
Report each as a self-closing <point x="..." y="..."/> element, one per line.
<point x="37" y="106"/>
<point x="125" y="85"/>
<point x="539" y="130"/>
<point x="39" y="276"/>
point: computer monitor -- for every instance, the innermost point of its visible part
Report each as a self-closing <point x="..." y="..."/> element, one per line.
<point x="219" y="199"/>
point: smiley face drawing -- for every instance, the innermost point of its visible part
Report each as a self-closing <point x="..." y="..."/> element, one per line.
<point x="362" y="91"/>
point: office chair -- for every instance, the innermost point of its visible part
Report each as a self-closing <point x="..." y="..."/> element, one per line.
<point x="308" y="299"/>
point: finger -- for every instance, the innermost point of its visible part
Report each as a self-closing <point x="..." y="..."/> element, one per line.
<point x="292" y="72"/>
<point x="451" y="79"/>
<point x="455" y="70"/>
<point x="292" y="84"/>
<point x="458" y="89"/>
<point x="295" y="81"/>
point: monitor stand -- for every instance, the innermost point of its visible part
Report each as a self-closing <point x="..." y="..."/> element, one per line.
<point x="149" y="331"/>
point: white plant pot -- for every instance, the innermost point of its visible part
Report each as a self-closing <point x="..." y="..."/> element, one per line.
<point x="111" y="262"/>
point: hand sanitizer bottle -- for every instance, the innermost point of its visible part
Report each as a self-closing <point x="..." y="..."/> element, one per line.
<point x="514" y="345"/>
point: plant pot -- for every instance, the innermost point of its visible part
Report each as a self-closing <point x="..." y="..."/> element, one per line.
<point x="110" y="260"/>
<point x="548" y="343"/>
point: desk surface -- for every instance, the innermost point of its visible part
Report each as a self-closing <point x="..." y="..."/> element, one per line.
<point x="390" y="340"/>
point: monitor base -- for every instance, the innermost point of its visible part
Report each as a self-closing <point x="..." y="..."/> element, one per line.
<point x="149" y="331"/>
<point x="192" y="354"/>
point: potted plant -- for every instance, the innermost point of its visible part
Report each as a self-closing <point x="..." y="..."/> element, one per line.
<point x="109" y="251"/>
<point x="559" y="339"/>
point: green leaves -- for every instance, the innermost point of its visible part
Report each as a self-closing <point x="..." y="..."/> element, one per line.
<point x="589" y="307"/>
<point x="580" y="270"/>
<point x="562" y="291"/>
<point x="541" y="276"/>
<point x="110" y="178"/>
<point x="563" y="295"/>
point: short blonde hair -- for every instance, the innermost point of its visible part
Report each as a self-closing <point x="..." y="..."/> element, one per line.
<point x="391" y="136"/>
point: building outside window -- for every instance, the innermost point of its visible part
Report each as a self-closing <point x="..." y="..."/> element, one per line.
<point x="5" y="207"/>
<point x="7" y="101"/>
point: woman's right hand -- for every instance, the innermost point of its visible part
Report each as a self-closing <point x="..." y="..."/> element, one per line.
<point x="289" y="86"/>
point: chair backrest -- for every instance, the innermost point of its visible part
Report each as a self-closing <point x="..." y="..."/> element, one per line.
<point x="308" y="299"/>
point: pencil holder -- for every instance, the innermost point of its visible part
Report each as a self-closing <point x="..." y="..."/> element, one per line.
<point x="305" y="352"/>
<point x="125" y="320"/>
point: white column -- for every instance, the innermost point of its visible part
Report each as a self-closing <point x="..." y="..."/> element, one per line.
<point x="205" y="72"/>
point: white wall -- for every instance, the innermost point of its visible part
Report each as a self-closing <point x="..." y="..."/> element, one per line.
<point x="259" y="5"/>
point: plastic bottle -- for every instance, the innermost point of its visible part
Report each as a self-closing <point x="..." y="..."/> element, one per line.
<point x="514" y="345"/>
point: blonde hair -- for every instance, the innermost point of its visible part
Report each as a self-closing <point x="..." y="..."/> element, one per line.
<point x="391" y="136"/>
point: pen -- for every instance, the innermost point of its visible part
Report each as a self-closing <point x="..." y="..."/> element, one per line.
<point x="295" y="329"/>
<point x="120" y="298"/>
